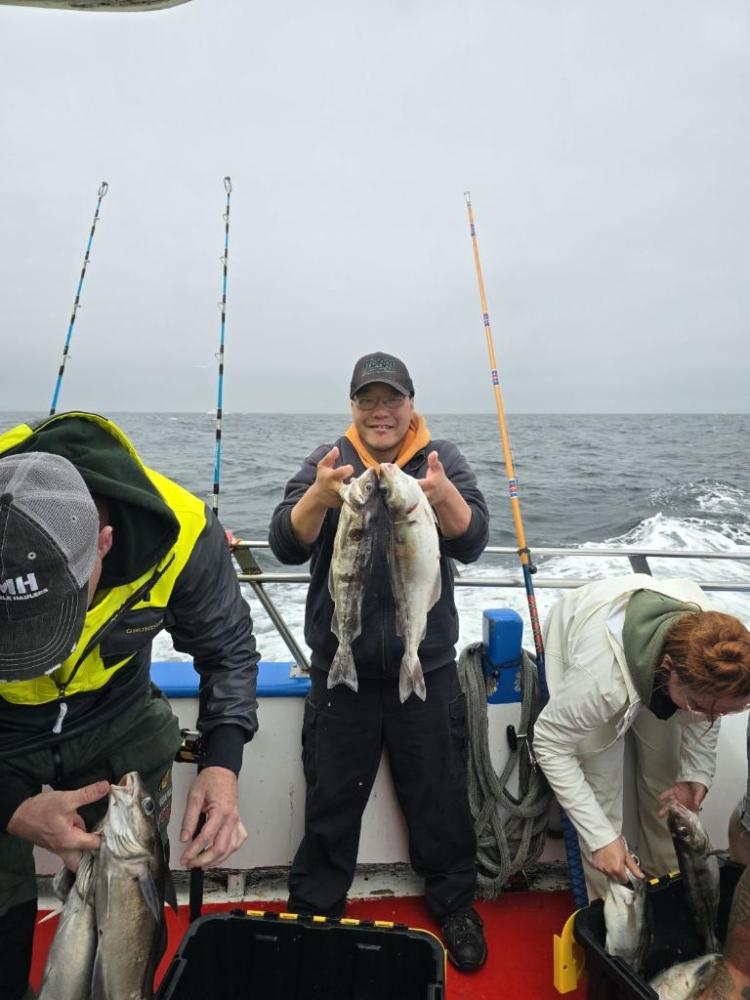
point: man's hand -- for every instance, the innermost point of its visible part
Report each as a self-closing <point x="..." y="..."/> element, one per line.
<point x="615" y="860"/>
<point x="214" y="792"/>
<point x="328" y="481"/>
<point x="688" y="793"/>
<point x="51" y="820"/>
<point x="310" y="510"/>
<point x="453" y="512"/>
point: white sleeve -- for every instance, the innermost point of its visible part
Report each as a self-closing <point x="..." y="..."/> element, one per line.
<point x="698" y="752"/>
<point x="577" y="708"/>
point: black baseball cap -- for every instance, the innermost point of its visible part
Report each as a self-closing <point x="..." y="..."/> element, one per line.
<point x="381" y="367"/>
<point x="48" y="533"/>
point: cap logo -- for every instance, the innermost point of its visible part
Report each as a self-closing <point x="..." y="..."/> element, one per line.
<point x="20" y="588"/>
<point x="378" y="365"/>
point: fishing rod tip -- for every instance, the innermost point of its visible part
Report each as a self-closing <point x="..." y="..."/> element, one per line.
<point x="103" y="188"/>
<point x="228" y="185"/>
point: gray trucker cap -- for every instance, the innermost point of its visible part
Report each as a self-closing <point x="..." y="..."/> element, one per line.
<point x="48" y="535"/>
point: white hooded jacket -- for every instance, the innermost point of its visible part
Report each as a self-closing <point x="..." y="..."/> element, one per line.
<point x="593" y="698"/>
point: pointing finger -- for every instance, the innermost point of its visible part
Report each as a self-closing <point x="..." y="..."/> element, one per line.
<point x="330" y="458"/>
<point x="87" y="794"/>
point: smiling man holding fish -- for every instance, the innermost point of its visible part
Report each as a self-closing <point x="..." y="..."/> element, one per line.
<point x="382" y="634"/>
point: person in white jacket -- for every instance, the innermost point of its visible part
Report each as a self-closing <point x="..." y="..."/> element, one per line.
<point x="635" y="653"/>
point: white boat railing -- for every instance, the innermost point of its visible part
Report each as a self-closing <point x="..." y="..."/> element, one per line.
<point x="637" y="557"/>
<point x="254" y="575"/>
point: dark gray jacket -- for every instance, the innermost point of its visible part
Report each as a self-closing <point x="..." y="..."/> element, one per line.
<point x="378" y="650"/>
<point x="206" y="614"/>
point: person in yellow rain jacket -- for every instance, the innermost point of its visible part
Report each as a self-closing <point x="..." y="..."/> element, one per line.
<point x="97" y="555"/>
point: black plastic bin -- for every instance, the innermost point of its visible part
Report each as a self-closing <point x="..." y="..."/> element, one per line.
<point x="672" y="932"/>
<point x="263" y="956"/>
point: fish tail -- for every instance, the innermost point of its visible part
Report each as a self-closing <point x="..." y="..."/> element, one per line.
<point x="411" y="678"/>
<point x="343" y="670"/>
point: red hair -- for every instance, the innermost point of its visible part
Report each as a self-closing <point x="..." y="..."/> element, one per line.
<point x="710" y="653"/>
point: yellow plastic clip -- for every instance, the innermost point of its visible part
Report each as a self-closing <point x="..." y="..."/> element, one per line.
<point x="568" y="958"/>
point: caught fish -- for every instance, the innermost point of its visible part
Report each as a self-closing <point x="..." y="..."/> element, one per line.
<point x="687" y="980"/>
<point x="625" y="921"/>
<point x="699" y="869"/>
<point x="67" y="973"/>
<point x="414" y="562"/>
<point x="130" y="883"/>
<point x="350" y="569"/>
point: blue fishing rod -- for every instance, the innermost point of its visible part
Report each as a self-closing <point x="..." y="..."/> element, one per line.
<point x="195" y="901"/>
<point x="103" y="188"/>
<point x="572" y="848"/>
<point x="220" y="393"/>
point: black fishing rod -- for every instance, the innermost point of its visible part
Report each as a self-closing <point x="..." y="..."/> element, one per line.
<point x="103" y="188"/>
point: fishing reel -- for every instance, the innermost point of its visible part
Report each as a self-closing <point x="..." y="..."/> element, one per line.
<point x="189" y="750"/>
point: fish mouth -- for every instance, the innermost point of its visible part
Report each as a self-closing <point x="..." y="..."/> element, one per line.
<point x="126" y="787"/>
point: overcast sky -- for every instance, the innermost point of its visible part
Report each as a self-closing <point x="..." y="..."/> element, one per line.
<point x="606" y="146"/>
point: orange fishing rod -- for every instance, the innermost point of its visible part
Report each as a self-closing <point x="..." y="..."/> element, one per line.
<point x="515" y="504"/>
<point x="572" y="850"/>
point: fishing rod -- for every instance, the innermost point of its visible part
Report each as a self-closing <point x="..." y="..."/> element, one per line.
<point x="220" y="392"/>
<point x="569" y="834"/>
<point x="195" y="902"/>
<point x="103" y="188"/>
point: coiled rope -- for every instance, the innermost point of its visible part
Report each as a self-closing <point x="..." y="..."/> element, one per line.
<point x="511" y="830"/>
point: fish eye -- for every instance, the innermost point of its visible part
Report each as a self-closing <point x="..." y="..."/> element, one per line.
<point x="148" y="806"/>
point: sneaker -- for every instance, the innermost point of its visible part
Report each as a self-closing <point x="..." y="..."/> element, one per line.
<point x="464" y="940"/>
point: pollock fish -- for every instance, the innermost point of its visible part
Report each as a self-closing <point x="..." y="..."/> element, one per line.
<point x="699" y="869"/>
<point x="130" y="883"/>
<point x="625" y="921"/>
<point x="687" y="980"/>
<point x="414" y="563"/>
<point x="67" y="973"/>
<point x="350" y="569"/>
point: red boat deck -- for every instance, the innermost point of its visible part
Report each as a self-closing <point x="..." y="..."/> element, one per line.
<point x="519" y="928"/>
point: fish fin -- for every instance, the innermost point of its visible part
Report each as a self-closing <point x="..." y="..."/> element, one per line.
<point x="343" y="670"/>
<point x="411" y="679"/>
<point x="335" y="623"/>
<point x="98" y="982"/>
<point x="150" y="894"/>
<point x="48" y="916"/>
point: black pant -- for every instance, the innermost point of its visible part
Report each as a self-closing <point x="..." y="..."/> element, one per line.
<point x="342" y="739"/>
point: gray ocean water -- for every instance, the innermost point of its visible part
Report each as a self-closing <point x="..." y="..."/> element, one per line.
<point x="672" y="481"/>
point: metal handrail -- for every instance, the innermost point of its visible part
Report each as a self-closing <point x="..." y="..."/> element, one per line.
<point x="626" y="552"/>
<point x="549" y="583"/>
<point x="252" y="574"/>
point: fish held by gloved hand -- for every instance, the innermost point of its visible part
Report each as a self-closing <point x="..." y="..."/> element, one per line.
<point x="414" y="563"/>
<point x="131" y="883"/>
<point x="625" y="921"/>
<point x="350" y="571"/>
<point x="699" y="869"/>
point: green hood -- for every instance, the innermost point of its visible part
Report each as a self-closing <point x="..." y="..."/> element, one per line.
<point x="648" y="618"/>
<point x="144" y="527"/>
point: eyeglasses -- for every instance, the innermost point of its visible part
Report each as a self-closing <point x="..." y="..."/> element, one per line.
<point x="370" y="402"/>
